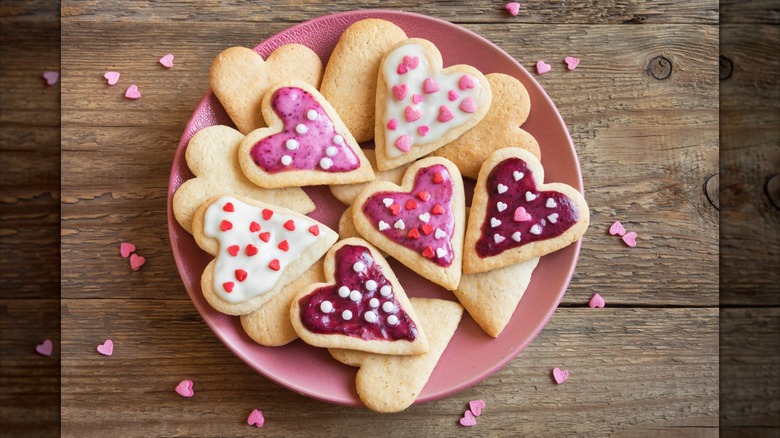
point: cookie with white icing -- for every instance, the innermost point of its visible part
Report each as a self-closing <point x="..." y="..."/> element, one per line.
<point x="421" y="107"/>
<point x="258" y="249"/>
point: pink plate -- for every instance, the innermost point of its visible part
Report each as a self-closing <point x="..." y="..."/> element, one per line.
<point x="301" y="368"/>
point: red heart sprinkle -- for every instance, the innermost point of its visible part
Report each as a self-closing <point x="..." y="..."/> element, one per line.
<point x="413" y="233"/>
<point x="284" y="245"/>
<point x="395" y="208"/>
<point x="411" y="204"/>
<point x="251" y="250"/>
<point x="137" y="261"/>
<point x="424" y="196"/>
<point x="427" y="229"/>
<point x="228" y="285"/>
<point x="274" y="265"/>
<point x="265" y="236"/>
<point x="290" y="225"/>
<point x="437" y="209"/>
<point x="225" y="225"/>
<point x="267" y="214"/>
<point x="241" y="274"/>
<point x="229" y="207"/>
<point x="428" y="252"/>
<point x="233" y="250"/>
<point x="125" y="249"/>
<point x="254" y="227"/>
<point x="438" y="178"/>
<point x="315" y="230"/>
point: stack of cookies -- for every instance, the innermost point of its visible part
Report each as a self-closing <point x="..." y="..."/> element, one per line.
<point x="299" y="124"/>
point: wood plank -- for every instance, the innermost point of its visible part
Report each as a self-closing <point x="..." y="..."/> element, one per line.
<point x="657" y="369"/>
<point x="753" y="11"/>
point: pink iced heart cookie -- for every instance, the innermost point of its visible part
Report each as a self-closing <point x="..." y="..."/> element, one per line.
<point x="431" y="106"/>
<point x="44" y="348"/>
<point x="51" y="77"/>
<point x="617" y="229"/>
<point x="516" y="217"/>
<point x="476" y="406"/>
<point x="106" y="348"/>
<point x="184" y="388"/>
<point x="167" y="61"/>
<point x="421" y="223"/>
<point x="306" y="142"/>
<point x="513" y="8"/>
<point x="112" y="77"/>
<point x="559" y="375"/>
<point x="596" y="301"/>
<point x="571" y="62"/>
<point x="137" y="261"/>
<point x="361" y="307"/>
<point x="259" y="248"/>
<point x="132" y="92"/>
<point x="125" y="249"/>
<point x="256" y="418"/>
<point x="630" y="239"/>
<point x="468" y="419"/>
<point x="542" y="67"/>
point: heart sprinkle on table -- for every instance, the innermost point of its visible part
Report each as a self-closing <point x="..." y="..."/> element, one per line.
<point x="167" y="61"/>
<point x="630" y="239"/>
<point x="542" y="67"/>
<point x="112" y="77"/>
<point x="468" y="419"/>
<point x="256" y="418"/>
<point x="45" y="348"/>
<point x="571" y="62"/>
<point x="513" y="8"/>
<point x="596" y="301"/>
<point x="125" y="249"/>
<point x="51" y="77"/>
<point x="617" y="228"/>
<point x="106" y="348"/>
<point x="137" y="261"/>
<point x="476" y="406"/>
<point x="132" y="92"/>
<point x="559" y="375"/>
<point x="184" y="388"/>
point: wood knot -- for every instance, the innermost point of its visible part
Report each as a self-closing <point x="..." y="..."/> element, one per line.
<point x="660" y="67"/>
<point x="712" y="190"/>
<point x="726" y="68"/>
<point x="772" y="188"/>
<point x="636" y="19"/>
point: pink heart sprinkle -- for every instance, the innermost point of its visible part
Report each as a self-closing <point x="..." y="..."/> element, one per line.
<point x="45" y="348"/>
<point x="521" y="215"/>
<point x="596" y="301"/>
<point x="106" y="348"/>
<point x="400" y="91"/>
<point x="630" y="239"/>
<point x="137" y="261"/>
<point x="126" y="249"/>
<point x="256" y="418"/>
<point x="453" y="95"/>
<point x="411" y="62"/>
<point x="468" y="105"/>
<point x="542" y="67"/>
<point x="617" y="228"/>
<point x="416" y="98"/>
<point x="401" y="69"/>
<point x="412" y="114"/>
<point x="513" y="8"/>
<point x="184" y="388"/>
<point x="468" y="419"/>
<point x="112" y="77"/>
<point x="132" y="92"/>
<point x="392" y="124"/>
<point x="167" y="61"/>
<point x="430" y="86"/>
<point x="403" y="143"/>
<point x="445" y="115"/>
<point x="465" y="82"/>
<point x="423" y="130"/>
<point x="51" y="77"/>
<point x="476" y="406"/>
<point x="559" y="375"/>
<point x="571" y="62"/>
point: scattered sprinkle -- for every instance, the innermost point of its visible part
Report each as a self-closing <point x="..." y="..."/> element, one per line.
<point x="184" y="388"/>
<point x="44" y="348"/>
<point x="596" y="301"/>
<point x="106" y="348"/>
<point x="112" y="77"/>
<point x="132" y="92"/>
<point x="126" y="249"/>
<point x="571" y="62"/>
<point x="167" y="61"/>
<point x="630" y="239"/>
<point x="476" y="406"/>
<point x="542" y="67"/>
<point x="617" y="228"/>
<point x="256" y="418"/>
<point x="137" y="261"/>
<point x="559" y="375"/>
<point x="51" y="77"/>
<point x="513" y="8"/>
<point x="468" y="419"/>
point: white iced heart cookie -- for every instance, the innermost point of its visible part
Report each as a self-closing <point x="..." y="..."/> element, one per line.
<point x="421" y="107"/>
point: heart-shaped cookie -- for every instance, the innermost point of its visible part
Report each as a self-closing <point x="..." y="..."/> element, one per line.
<point x="306" y="142"/>
<point x="420" y="107"/>
<point x="500" y="128"/>
<point x="346" y="193"/>
<point x="392" y="383"/>
<point x="240" y="78"/>
<point x="349" y="81"/>
<point x="516" y="217"/>
<point x="361" y="307"/>
<point x="212" y="155"/>
<point x="420" y="223"/>
<point x="259" y="248"/>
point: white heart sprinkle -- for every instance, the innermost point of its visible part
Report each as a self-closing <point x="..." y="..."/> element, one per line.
<point x="425" y="217"/>
<point x="359" y="267"/>
<point x="387" y="201"/>
<point x="291" y="144"/>
<point x="517" y="175"/>
<point x="347" y="315"/>
<point x="501" y="206"/>
<point x="383" y="226"/>
<point x="441" y="252"/>
<point x="388" y="307"/>
<point x="498" y="238"/>
<point x="550" y="203"/>
<point x="312" y="114"/>
<point x="516" y="236"/>
<point x="371" y="285"/>
<point x="325" y="163"/>
<point x="343" y="291"/>
<point x="502" y="189"/>
<point x="392" y="320"/>
<point x="338" y="139"/>
<point x="536" y="229"/>
<point x="331" y="151"/>
<point x="386" y="290"/>
<point x="553" y="218"/>
<point x="286" y="160"/>
<point x="300" y="128"/>
<point x="439" y="233"/>
<point x="494" y="222"/>
<point x="529" y="196"/>
<point x="399" y="225"/>
<point x="370" y="316"/>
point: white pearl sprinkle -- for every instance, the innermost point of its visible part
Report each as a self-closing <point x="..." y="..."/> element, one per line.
<point x="392" y="320"/>
<point x="325" y="163"/>
<point x="536" y="229"/>
<point x="326" y="306"/>
<point x="501" y="206"/>
<point x="286" y="160"/>
<point x="441" y="252"/>
<point x="399" y="224"/>
<point x="387" y="201"/>
<point x="516" y="236"/>
<point x="312" y="114"/>
<point x="383" y="226"/>
<point x="386" y="290"/>
<point x="517" y="175"/>
<point x="300" y="128"/>
<point x="347" y="315"/>
<point x="388" y="307"/>
<point x="498" y="238"/>
<point x="553" y="218"/>
<point x="439" y="233"/>
<point x="355" y="296"/>
<point x="425" y="217"/>
<point x="331" y="151"/>
<point x="550" y="203"/>
<point x="374" y="302"/>
<point x="359" y="266"/>
<point x="529" y="196"/>
<point x="371" y="285"/>
<point x="370" y="316"/>
<point x="337" y="139"/>
<point x="343" y="291"/>
<point x="502" y="189"/>
<point x="291" y="144"/>
<point x="494" y="222"/>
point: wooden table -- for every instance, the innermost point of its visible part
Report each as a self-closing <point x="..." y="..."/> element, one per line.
<point x="642" y="109"/>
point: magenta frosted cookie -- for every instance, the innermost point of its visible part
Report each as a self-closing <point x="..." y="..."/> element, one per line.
<point x="361" y="307"/>
<point x="306" y="142"/>
<point x="421" y="107"/>
<point x="420" y="223"/>
<point x="515" y="216"/>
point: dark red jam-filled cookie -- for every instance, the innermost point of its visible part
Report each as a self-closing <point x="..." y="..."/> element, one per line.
<point x="362" y="307"/>
<point x="516" y="217"/>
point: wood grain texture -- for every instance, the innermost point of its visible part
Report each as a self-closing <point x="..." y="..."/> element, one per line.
<point x="749" y="12"/>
